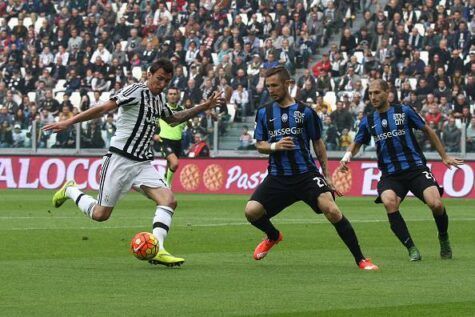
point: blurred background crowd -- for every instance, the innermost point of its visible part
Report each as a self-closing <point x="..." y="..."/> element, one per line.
<point x="58" y="58"/>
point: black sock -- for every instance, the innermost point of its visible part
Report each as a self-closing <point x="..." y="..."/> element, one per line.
<point x="398" y="226"/>
<point x="347" y="234"/>
<point x="265" y="225"/>
<point x="442" y="222"/>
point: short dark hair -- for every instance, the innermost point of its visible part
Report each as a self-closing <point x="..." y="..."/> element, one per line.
<point x="281" y="71"/>
<point x="162" y="63"/>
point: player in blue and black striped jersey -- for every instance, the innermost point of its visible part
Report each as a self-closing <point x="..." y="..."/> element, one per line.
<point x="284" y="130"/>
<point x="402" y="164"/>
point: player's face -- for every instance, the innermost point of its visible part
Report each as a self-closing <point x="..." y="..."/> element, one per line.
<point x="158" y="81"/>
<point x="173" y="96"/>
<point x="377" y="96"/>
<point x="278" y="88"/>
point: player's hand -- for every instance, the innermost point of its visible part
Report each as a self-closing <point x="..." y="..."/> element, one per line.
<point x="57" y="126"/>
<point x="216" y="100"/>
<point x="157" y="138"/>
<point x="332" y="187"/>
<point x="452" y="161"/>
<point x="343" y="166"/>
<point x="285" y="144"/>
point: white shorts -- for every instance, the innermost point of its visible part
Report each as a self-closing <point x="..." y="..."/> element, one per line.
<point x="119" y="174"/>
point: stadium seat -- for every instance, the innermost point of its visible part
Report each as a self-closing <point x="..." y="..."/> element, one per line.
<point x="418" y="14"/>
<point x="420" y="28"/>
<point x="51" y="140"/>
<point x="272" y="15"/>
<point x="330" y="98"/>
<point x="39" y="24"/>
<point x="59" y="96"/>
<point x="22" y="71"/>
<point x="182" y="29"/>
<point x="244" y="18"/>
<point x="185" y="71"/>
<point x="231" y="111"/>
<point x="27" y="22"/>
<point x="12" y="23"/>
<point x="17" y="98"/>
<point x="32" y="96"/>
<point x="425" y="57"/>
<point x="259" y="17"/>
<point x="359" y="56"/>
<point x="75" y="99"/>
<point x="413" y="83"/>
<point x="123" y="44"/>
<point x="137" y="72"/>
<point x="364" y="83"/>
<point x="230" y="18"/>
<point x="105" y="96"/>
<point x="215" y="58"/>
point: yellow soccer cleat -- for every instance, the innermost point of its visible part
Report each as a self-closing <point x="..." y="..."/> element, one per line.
<point x="60" y="196"/>
<point x="165" y="258"/>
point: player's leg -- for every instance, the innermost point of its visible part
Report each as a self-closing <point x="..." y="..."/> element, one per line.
<point x="391" y="201"/>
<point x="327" y="205"/>
<point x="153" y="186"/>
<point x="98" y="210"/>
<point x="426" y="188"/>
<point x="269" y="199"/>
<point x="172" y="166"/>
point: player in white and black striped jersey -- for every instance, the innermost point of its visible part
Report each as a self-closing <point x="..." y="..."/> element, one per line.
<point x="128" y="163"/>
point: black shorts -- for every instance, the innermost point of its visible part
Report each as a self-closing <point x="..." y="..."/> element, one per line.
<point x="276" y="193"/>
<point x="415" y="180"/>
<point x="168" y="147"/>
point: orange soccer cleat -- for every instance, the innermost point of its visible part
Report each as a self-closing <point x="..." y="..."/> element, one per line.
<point x="264" y="247"/>
<point x="367" y="265"/>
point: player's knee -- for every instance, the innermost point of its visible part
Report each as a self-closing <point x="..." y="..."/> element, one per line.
<point x="332" y="213"/>
<point x="252" y="213"/>
<point x="101" y="215"/>
<point x="171" y="202"/>
<point x="390" y="202"/>
<point x="436" y="205"/>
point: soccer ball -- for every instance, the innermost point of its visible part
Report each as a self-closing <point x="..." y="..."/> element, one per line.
<point x="144" y="246"/>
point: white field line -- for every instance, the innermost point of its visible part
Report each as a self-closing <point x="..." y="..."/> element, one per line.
<point x="224" y="224"/>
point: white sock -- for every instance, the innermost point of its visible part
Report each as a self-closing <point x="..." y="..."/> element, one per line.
<point x="161" y="223"/>
<point x="85" y="202"/>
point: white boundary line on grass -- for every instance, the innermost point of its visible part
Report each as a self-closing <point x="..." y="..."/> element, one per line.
<point x="282" y="222"/>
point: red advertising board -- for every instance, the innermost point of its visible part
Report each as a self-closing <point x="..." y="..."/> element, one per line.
<point x="230" y="176"/>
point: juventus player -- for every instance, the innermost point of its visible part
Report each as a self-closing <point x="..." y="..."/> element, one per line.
<point x="128" y="163"/>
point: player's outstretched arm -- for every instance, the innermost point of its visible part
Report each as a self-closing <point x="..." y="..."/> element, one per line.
<point x="435" y="141"/>
<point x="321" y="152"/>
<point x="352" y="150"/>
<point x="181" y="116"/>
<point x="91" y="113"/>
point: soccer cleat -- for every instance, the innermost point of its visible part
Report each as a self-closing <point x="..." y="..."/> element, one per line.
<point x="367" y="265"/>
<point x="264" y="247"/>
<point x="414" y="254"/>
<point x="445" y="249"/>
<point x="60" y="196"/>
<point x="165" y="258"/>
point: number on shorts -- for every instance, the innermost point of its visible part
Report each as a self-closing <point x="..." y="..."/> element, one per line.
<point x="320" y="182"/>
<point x="429" y="175"/>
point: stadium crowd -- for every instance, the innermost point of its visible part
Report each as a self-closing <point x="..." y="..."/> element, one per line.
<point x="58" y="58"/>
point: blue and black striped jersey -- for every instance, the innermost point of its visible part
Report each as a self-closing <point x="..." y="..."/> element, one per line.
<point x="396" y="145"/>
<point x="297" y="121"/>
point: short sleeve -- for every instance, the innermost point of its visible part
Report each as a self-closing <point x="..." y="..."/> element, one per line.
<point x="363" y="136"/>
<point x="129" y="95"/>
<point x="313" y="124"/>
<point x="414" y="119"/>
<point x="260" y="130"/>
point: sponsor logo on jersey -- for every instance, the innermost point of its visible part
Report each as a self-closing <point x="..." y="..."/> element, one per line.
<point x="384" y="123"/>
<point x="298" y="116"/>
<point x="285" y="131"/>
<point x="285" y="117"/>
<point x="390" y="134"/>
<point x="399" y="118"/>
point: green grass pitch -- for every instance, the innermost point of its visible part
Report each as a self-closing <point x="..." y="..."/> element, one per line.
<point x="56" y="262"/>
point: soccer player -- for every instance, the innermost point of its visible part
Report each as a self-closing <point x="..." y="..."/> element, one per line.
<point x="170" y="136"/>
<point x="128" y="163"/>
<point x="284" y="129"/>
<point x="402" y="164"/>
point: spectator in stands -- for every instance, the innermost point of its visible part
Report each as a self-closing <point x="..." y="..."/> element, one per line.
<point x="451" y="136"/>
<point x="92" y="136"/>
<point x="323" y="64"/>
<point x="307" y="92"/>
<point x="50" y="104"/>
<point x="348" y="42"/>
<point x="245" y="140"/>
<point x="341" y="117"/>
<point x="6" y="136"/>
<point x="470" y="136"/>
<point x="345" y="140"/>
<point x="199" y="148"/>
<point x="240" y="98"/>
<point x="18" y="137"/>
<point x="330" y="134"/>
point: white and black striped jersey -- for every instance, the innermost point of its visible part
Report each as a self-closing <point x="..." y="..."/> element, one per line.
<point x="139" y="111"/>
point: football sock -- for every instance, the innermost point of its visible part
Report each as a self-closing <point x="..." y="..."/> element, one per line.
<point x="169" y="176"/>
<point x="347" y="234"/>
<point x="161" y="223"/>
<point x="265" y="225"/>
<point x="398" y="226"/>
<point x="85" y="202"/>
<point x="442" y="222"/>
